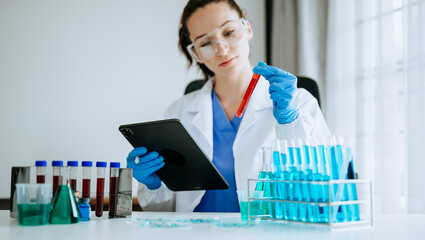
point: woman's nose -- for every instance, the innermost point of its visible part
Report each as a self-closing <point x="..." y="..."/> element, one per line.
<point x="222" y="48"/>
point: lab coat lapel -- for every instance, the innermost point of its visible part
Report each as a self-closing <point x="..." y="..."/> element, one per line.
<point x="260" y="99"/>
<point x="201" y="106"/>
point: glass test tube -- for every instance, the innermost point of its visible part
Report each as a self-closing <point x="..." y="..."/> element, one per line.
<point x="41" y="171"/>
<point x="57" y="165"/>
<point x="113" y="188"/>
<point x="100" y="186"/>
<point x="86" y="178"/>
<point x="73" y="174"/>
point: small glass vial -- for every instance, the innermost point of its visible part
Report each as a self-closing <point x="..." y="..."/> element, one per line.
<point x="113" y="188"/>
<point x="85" y="209"/>
<point x="41" y="170"/>
<point x="87" y="165"/>
<point x="72" y="174"/>
<point x="57" y="165"/>
<point x="100" y="187"/>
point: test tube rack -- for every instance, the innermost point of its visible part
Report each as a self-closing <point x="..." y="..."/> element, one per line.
<point x="336" y="212"/>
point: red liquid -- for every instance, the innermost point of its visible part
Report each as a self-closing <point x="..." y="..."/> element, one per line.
<point x="99" y="196"/>
<point x="86" y="188"/>
<point x="74" y="184"/>
<point x="55" y="183"/>
<point x="113" y="195"/>
<point x="247" y="95"/>
<point x="41" y="179"/>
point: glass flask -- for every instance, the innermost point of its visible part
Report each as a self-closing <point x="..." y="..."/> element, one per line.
<point x="64" y="207"/>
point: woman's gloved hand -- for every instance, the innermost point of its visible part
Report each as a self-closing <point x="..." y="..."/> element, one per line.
<point x="145" y="166"/>
<point x="282" y="88"/>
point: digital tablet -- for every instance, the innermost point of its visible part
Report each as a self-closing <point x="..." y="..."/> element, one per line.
<point x="186" y="167"/>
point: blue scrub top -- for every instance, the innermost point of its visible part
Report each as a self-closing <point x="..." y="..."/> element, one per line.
<point x="224" y="133"/>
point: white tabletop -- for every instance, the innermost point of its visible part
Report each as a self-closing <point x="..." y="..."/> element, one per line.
<point x="385" y="227"/>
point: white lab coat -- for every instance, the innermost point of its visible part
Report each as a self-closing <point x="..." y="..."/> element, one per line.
<point x="258" y="128"/>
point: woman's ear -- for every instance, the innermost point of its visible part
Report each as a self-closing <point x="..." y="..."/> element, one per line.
<point x="250" y="32"/>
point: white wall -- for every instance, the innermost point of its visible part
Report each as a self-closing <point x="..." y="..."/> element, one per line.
<point x="71" y="72"/>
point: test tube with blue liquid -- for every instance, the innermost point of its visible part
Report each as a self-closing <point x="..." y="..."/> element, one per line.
<point x="294" y="189"/>
<point x="323" y="168"/>
<point x="344" y="148"/>
<point x="309" y="167"/>
<point x="265" y="174"/>
<point x="303" y="195"/>
<point x="269" y="188"/>
<point x="339" y="213"/>
<point x="278" y="161"/>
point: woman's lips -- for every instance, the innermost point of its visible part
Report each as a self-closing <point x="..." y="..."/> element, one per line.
<point x="227" y="63"/>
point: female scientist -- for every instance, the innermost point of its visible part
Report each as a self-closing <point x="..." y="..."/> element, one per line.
<point x="215" y="34"/>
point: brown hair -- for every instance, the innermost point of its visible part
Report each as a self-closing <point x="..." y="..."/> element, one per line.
<point x="184" y="39"/>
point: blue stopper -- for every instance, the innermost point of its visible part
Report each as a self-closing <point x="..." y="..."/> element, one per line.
<point x="114" y="165"/>
<point x="40" y="163"/>
<point x="57" y="163"/>
<point x="87" y="164"/>
<point x="72" y="163"/>
<point x="101" y="164"/>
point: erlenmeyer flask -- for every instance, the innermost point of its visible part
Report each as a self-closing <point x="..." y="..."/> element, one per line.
<point x="64" y="207"/>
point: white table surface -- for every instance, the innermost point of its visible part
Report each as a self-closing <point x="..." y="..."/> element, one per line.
<point x="385" y="227"/>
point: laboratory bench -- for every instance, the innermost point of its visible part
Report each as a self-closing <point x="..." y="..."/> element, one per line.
<point x="384" y="227"/>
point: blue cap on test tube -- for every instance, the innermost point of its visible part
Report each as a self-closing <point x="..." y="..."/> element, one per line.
<point x="40" y="163"/>
<point x="101" y="164"/>
<point x="114" y="165"/>
<point x="86" y="163"/>
<point x="57" y="163"/>
<point x="72" y="163"/>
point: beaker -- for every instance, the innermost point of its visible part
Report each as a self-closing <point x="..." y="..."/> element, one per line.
<point x="33" y="203"/>
<point x="64" y="209"/>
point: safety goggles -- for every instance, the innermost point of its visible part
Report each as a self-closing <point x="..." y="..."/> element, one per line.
<point x="229" y="34"/>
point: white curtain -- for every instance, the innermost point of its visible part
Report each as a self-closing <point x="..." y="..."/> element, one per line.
<point x="375" y="90"/>
<point x="299" y="37"/>
<point x="369" y="59"/>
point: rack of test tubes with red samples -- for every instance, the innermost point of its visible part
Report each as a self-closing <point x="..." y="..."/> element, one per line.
<point x="89" y="182"/>
<point x="312" y="182"/>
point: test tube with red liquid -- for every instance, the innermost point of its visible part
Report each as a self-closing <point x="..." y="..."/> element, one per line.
<point x="41" y="170"/>
<point x="57" y="165"/>
<point x="100" y="186"/>
<point x="113" y="188"/>
<point x="87" y="165"/>
<point x="73" y="174"/>
<point x="247" y="95"/>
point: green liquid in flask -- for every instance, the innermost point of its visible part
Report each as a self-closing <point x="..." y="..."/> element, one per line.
<point x="64" y="206"/>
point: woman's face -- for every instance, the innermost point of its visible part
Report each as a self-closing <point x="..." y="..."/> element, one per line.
<point x="229" y="60"/>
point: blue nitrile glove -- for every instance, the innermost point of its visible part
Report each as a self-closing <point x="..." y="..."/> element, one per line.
<point x="282" y="88"/>
<point x="148" y="164"/>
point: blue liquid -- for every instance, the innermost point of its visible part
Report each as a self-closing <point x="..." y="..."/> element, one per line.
<point x="324" y="211"/>
<point x="352" y="190"/>
<point x="280" y="207"/>
<point x="266" y="208"/>
<point x="85" y="211"/>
